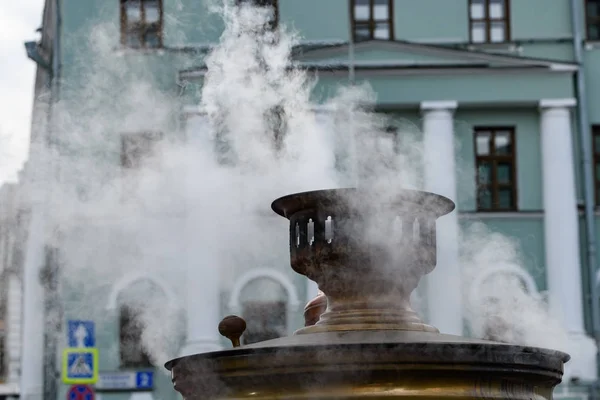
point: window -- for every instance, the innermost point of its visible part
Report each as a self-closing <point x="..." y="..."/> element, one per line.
<point x="596" y="138"/>
<point x="387" y="141"/>
<point x="265" y="321"/>
<point x="496" y="172"/>
<point x="132" y="352"/>
<point x="274" y="4"/>
<point x="489" y="21"/>
<point x="276" y="122"/>
<point x="372" y="19"/>
<point x="141" y="23"/>
<point x="265" y="309"/>
<point x="137" y="147"/>
<point x="592" y="15"/>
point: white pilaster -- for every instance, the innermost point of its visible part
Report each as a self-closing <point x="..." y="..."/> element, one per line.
<point x="203" y="292"/>
<point x="13" y="319"/>
<point x="444" y="283"/>
<point x="32" y="355"/>
<point x="561" y="232"/>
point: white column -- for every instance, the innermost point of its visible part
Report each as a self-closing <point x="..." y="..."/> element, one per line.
<point x="444" y="283"/>
<point x="13" y="319"/>
<point x="203" y="292"/>
<point x="561" y="232"/>
<point x="32" y="356"/>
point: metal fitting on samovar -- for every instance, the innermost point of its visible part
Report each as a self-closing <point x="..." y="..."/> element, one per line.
<point x="367" y="253"/>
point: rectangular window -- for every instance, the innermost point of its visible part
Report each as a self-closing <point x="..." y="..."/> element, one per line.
<point x="496" y="169"/>
<point x="592" y="17"/>
<point x="372" y="19"/>
<point x="141" y="24"/>
<point x="596" y="147"/>
<point x="137" y="147"/>
<point x="273" y="4"/>
<point x="489" y="21"/>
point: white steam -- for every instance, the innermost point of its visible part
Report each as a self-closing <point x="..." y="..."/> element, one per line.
<point x="116" y="222"/>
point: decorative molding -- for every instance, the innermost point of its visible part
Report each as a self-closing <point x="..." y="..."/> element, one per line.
<point x="133" y="278"/>
<point x="558" y="103"/>
<point x="263" y="273"/>
<point x="449" y="105"/>
<point x="502" y="215"/>
<point x="564" y="67"/>
<point x="191" y="109"/>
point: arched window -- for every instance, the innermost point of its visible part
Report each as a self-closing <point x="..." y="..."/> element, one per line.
<point x="264" y="307"/>
<point x="495" y="295"/>
<point x="132" y="352"/>
<point x="136" y="307"/>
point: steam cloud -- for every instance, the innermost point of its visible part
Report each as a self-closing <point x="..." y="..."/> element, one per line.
<point x="111" y="223"/>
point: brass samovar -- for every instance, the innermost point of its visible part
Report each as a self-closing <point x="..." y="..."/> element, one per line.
<point x="367" y="253"/>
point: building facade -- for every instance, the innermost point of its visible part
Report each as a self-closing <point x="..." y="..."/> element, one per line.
<point x="12" y="217"/>
<point x="499" y="94"/>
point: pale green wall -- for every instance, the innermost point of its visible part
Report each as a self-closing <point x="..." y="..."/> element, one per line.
<point x="431" y="20"/>
<point x="394" y="90"/>
<point x="316" y="19"/>
<point x="540" y="19"/>
<point x="528" y="234"/>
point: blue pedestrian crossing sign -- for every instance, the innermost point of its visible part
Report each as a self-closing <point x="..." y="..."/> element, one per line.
<point x="80" y="366"/>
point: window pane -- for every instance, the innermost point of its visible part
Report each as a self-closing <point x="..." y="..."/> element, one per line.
<point x="484" y="173"/>
<point x="382" y="31"/>
<point x="152" y="38"/>
<point x="484" y="198"/>
<point x="477" y="9"/>
<point x="478" y="30"/>
<point x="483" y="143"/>
<point x="596" y="143"/>
<point x="504" y="173"/>
<point x="362" y="32"/>
<point x="361" y="10"/>
<point x="132" y="39"/>
<point x="498" y="32"/>
<point x="496" y="9"/>
<point x="133" y="11"/>
<point x="502" y="143"/>
<point x="594" y="31"/>
<point x="505" y="199"/>
<point x="593" y="9"/>
<point x="598" y="172"/>
<point x="152" y="11"/>
<point x="381" y="10"/>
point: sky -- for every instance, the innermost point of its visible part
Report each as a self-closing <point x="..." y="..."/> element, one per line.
<point x="19" y="19"/>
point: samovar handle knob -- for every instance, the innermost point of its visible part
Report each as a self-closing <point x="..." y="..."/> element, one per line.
<point x="232" y="327"/>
